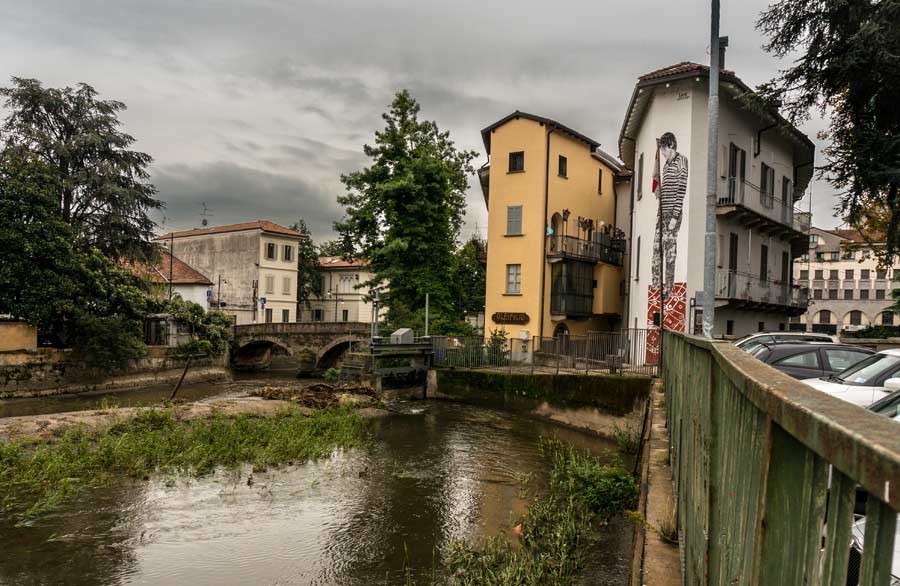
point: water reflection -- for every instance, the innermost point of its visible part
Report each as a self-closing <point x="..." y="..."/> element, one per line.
<point x="358" y="518"/>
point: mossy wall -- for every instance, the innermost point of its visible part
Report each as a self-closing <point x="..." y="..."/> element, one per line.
<point x="616" y="395"/>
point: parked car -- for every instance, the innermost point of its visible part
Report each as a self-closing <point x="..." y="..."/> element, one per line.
<point x="855" y="562"/>
<point x="888" y="406"/>
<point x="865" y="382"/>
<point x="753" y="341"/>
<point x="810" y="360"/>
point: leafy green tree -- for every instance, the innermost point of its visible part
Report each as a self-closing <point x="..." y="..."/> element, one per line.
<point x="404" y="211"/>
<point x="309" y="275"/>
<point x="101" y="189"/>
<point x="213" y="329"/>
<point x="848" y="64"/>
<point x="469" y="279"/>
<point x="75" y="294"/>
<point x="337" y="247"/>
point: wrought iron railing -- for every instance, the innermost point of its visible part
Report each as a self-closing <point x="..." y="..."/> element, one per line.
<point x="745" y="287"/>
<point x="765" y="205"/>
<point x="608" y="250"/>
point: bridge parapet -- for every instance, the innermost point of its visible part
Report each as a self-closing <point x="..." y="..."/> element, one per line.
<point x="754" y="453"/>
<point x="297" y="328"/>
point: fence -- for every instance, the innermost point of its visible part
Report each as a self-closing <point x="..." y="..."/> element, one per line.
<point x="620" y="352"/>
<point x="756" y="458"/>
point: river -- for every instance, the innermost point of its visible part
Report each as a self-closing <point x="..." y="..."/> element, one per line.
<point x="435" y="473"/>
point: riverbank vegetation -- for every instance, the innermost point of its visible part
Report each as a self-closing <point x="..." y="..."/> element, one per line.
<point x="35" y="477"/>
<point x="558" y="529"/>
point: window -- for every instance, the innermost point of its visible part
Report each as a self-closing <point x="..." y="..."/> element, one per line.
<point x="804" y="275"/>
<point x="286" y="286"/>
<point x="817" y="294"/>
<point x="318" y="315"/>
<point x="764" y="262"/>
<point x="849" y="255"/>
<point x="848" y="274"/>
<point x="839" y="359"/>
<point x="640" y="177"/>
<point x="513" y="279"/>
<point x="848" y="294"/>
<point x="761" y="326"/>
<point x="855" y="318"/>
<point x="785" y="267"/>
<point x="824" y="317"/>
<point x="729" y="327"/>
<point x="345" y="315"/>
<point x="787" y="192"/>
<point x="270" y="284"/>
<point x="782" y="326"/>
<point x="834" y="256"/>
<point x="513" y="220"/>
<point x="285" y="315"/>
<point x="832" y="293"/>
<point x="879" y="274"/>
<point x="864" y="274"/>
<point x="268" y="315"/>
<point x="270" y="251"/>
<point x="517" y="162"/>
<point x="813" y="239"/>
<point x="737" y="168"/>
<point x="864" y="294"/>
<point x="637" y="261"/>
<point x="599" y="180"/>
<point x="887" y="318"/>
<point x="808" y="359"/>
<point x="288" y="252"/>
<point x="563" y="166"/>
<point x="819" y="274"/>
<point x="820" y="256"/>
<point x="767" y="186"/>
<point x="833" y="275"/>
<point x="879" y="293"/>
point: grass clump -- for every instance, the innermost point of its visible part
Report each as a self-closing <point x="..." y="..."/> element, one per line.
<point x="558" y="529"/>
<point x="37" y="477"/>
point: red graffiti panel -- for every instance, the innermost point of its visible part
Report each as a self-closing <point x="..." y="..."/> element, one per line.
<point x="674" y="316"/>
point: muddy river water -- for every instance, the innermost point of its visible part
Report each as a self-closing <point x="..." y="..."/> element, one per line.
<point x="433" y="474"/>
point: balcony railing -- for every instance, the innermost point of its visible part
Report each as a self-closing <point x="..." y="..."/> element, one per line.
<point x="750" y="288"/>
<point x="765" y="205"/>
<point x="607" y="250"/>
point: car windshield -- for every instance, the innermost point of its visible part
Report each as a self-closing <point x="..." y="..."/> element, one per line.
<point x="865" y="371"/>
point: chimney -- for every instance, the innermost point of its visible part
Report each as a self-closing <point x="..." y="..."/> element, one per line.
<point x="723" y="44"/>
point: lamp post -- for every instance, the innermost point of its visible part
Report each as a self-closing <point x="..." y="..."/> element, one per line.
<point x="334" y="293"/>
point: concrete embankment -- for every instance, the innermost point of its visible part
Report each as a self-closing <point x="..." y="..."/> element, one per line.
<point x="54" y="372"/>
<point x="602" y="404"/>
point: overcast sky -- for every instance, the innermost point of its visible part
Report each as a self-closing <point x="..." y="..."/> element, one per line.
<point x="256" y="108"/>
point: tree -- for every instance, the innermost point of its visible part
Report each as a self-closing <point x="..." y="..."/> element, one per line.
<point x="101" y="188"/>
<point x="404" y="212"/>
<point x="849" y="64"/>
<point x="469" y="279"/>
<point x="338" y="247"/>
<point x="74" y="293"/>
<point x="309" y="275"/>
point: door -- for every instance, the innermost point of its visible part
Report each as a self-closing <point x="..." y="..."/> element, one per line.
<point x="732" y="264"/>
<point x="804" y="364"/>
<point x="268" y="316"/>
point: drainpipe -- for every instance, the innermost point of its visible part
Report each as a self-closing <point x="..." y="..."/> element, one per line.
<point x="544" y="229"/>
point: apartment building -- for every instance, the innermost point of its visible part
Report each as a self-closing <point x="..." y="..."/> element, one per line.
<point x="765" y="165"/>
<point x="343" y="295"/>
<point x="252" y="267"/>
<point x="848" y="289"/>
<point x="555" y="255"/>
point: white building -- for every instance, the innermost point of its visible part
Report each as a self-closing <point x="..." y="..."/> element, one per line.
<point x="252" y="266"/>
<point x="344" y="296"/>
<point x="765" y="165"/>
<point x="848" y="289"/>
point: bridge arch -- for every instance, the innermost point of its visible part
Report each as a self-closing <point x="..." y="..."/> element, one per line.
<point x="328" y="354"/>
<point x="257" y="352"/>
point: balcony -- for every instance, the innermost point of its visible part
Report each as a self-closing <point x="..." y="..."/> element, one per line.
<point x="750" y="292"/>
<point x="603" y="249"/>
<point x="763" y="213"/>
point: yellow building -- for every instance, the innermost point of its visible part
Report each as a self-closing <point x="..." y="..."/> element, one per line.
<point x="554" y="255"/>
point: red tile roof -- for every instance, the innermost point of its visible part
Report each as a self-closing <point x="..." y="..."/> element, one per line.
<point x="858" y="236"/>
<point x="182" y="273"/>
<point x="679" y="69"/>
<point x="336" y="262"/>
<point x="264" y="225"/>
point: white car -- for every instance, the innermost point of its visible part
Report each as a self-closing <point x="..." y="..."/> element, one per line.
<point x="867" y="381"/>
<point x="753" y="341"/>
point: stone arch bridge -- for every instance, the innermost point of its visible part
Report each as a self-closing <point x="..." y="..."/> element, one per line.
<point x="302" y="345"/>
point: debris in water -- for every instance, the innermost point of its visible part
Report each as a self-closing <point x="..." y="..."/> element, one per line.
<point x="318" y="395"/>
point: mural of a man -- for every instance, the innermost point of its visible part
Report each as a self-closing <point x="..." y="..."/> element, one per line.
<point x="670" y="187"/>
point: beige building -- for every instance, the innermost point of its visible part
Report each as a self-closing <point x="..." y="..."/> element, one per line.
<point x="252" y="267"/>
<point x="848" y="290"/>
<point x="344" y="296"/>
<point x="554" y="258"/>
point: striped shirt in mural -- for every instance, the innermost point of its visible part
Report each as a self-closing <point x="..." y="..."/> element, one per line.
<point x="673" y="185"/>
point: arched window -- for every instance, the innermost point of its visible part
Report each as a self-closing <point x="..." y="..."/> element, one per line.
<point x="855" y="318"/>
<point x="824" y="317"/>
<point x="561" y="330"/>
<point x="887" y="318"/>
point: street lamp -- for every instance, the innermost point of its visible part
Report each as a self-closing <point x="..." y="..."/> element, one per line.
<point x="334" y="293"/>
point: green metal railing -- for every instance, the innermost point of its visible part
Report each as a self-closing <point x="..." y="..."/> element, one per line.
<point x="766" y="472"/>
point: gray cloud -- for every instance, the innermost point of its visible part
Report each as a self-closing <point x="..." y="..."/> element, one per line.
<point x="280" y="96"/>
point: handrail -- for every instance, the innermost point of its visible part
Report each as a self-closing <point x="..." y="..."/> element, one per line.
<point x="751" y="450"/>
<point x="315" y="327"/>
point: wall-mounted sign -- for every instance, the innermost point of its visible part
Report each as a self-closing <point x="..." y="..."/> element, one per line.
<point x="262" y="300"/>
<point x="508" y="317"/>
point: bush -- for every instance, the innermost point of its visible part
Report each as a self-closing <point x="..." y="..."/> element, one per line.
<point x="193" y="347"/>
<point x="106" y="343"/>
<point x="331" y="374"/>
<point x="604" y="489"/>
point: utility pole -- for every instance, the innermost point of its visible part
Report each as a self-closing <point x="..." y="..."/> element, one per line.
<point x="171" y="261"/>
<point x="712" y="166"/>
<point x="219" y="293"/>
<point x="426" y="315"/>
